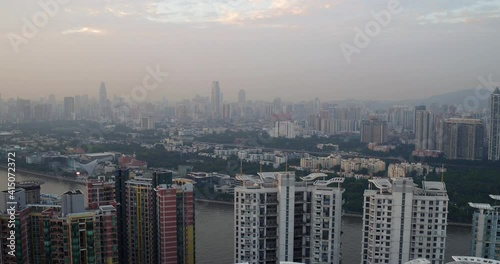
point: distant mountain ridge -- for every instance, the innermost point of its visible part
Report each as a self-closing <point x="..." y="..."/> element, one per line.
<point x="457" y="97"/>
<point x="461" y="97"/>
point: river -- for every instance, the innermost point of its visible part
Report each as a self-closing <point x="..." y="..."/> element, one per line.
<point x="214" y="227"/>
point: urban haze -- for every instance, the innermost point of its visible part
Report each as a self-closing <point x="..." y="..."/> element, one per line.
<point x="249" y="132"/>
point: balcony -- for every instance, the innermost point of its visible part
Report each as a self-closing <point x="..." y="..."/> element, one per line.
<point x="271" y="224"/>
<point x="272" y="212"/>
<point x="271" y="235"/>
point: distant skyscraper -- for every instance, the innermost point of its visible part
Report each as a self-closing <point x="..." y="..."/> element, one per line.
<point x="147" y="122"/>
<point x="42" y="112"/>
<point x="241" y="97"/>
<point x="226" y="111"/>
<point x="278" y="219"/>
<point x="284" y="129"/>
<point x="52" y="99"/>
<point x="316" y="106"/>
<point x="486" y="230"/>
<point x="181" y="112"/>
<point x="416" y="109"/>
<point x="400" y="117"/>
<point x="373" y="131"/>
<point x="277" y="107"/>
<point x="346" y="119"/>
<point x="424" y="130"/>
<point x="402" y="222"/>
<point x="462" y="138"/>
<point x="494" y="127"/>
<point x="216" y="99"/>
<point x="69" y="108"/>
<point x="103" y="100"/>
<point x="23" y="111"/>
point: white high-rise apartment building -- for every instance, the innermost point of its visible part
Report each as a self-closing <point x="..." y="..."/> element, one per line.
<point x="280" y="219"/>
<point x="402" y="222"/>
<point x="284" y="129"/>
<point x="486" y="230"/>
<point x="494" y="126"/>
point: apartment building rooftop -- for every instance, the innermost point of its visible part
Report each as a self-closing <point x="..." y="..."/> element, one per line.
<point x="472" y="260"/>
<point x="270" y="180"/>
<point x="458" y="260"/>
<point x="487" y="206"/>
<point x="429" y="188"/>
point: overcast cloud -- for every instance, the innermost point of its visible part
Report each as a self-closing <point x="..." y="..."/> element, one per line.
<point x="286" y="48"/>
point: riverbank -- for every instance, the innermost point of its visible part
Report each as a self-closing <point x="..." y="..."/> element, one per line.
<point x="40" y="174"/>
<point x="62" y="178"/>
<point x="214" y="201"/>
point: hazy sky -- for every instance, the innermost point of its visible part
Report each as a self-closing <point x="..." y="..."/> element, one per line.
<point x="286" y="48"/>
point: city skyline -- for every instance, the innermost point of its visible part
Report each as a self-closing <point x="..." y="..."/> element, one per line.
<point x="460" y="97"/>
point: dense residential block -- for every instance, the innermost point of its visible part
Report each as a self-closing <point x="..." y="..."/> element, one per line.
<point x="62" y="234"/>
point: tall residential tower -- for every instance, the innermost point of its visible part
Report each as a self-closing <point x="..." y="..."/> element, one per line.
<point x="462" y="138"/>
<point x="159" y="220"/>
<point x="279" y="219"/>
<point x="486" y="230"/>
<point x="424" y="130"/>
<point x="494" y="128"/>
<point x="402" y="222"/>
<point x="103" y="100"/>
<point x="374" y="131"/>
